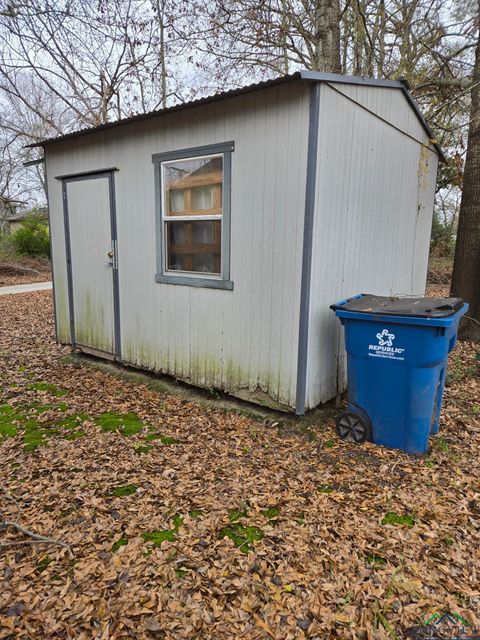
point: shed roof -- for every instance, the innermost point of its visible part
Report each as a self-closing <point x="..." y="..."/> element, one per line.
<point x="315" y="76"/>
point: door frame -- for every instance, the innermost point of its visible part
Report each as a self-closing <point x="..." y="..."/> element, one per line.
<point x="78" y="177"/>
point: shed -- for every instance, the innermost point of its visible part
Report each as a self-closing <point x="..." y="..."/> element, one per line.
<point x="207" y="240"/>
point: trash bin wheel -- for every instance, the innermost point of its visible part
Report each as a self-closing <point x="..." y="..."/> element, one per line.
<point x="353" y="428"/>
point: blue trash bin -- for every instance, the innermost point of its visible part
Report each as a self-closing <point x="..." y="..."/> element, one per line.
<point x="397" y="351"/>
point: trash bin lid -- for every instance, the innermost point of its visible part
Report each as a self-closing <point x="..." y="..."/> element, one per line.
<point x="415" y="307"/>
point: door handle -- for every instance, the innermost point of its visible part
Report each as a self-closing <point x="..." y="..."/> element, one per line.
<point x="109" y="262"/>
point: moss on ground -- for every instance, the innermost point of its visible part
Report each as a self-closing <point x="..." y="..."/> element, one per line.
<point x="143" y="449"/>
<point x="167" y="440"/>
<point x="8" y="428"/>
<point x="52" y="389"/>
<point x="123" y="491"/>
<point x="159" y="536"/>
<point x="121" y="542"/>
<point x="394" y="518"/>
<point x="242" y="536"/>
<point x="271" y="513"/>
<point x="128" y="424"/>
<point x="24" y="420"/>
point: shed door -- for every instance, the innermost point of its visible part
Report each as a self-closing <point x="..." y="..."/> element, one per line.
<point x="93" y="271"/>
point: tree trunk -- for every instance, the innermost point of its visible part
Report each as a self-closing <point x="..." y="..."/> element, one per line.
<point x="327" y="36"/>
<point x="466" y="269"/>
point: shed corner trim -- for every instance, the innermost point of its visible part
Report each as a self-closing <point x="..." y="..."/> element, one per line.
<point x="310" y="189"/>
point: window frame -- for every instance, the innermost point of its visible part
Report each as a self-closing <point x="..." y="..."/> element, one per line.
<point x="191" y="278"/>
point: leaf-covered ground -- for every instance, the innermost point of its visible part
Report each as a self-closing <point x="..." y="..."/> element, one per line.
<point x="23" y="270"/>
<point x="193" y="523"/>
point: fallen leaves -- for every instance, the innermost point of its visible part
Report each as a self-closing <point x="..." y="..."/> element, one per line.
<point x="148" y="485"/>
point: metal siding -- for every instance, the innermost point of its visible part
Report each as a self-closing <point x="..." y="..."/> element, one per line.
<point x="245" y="340"/>
<point x="390" y="104"/>
<point x="427" y="182"/>
<point x="59" y="259"/>
<point x="369" y="235"/>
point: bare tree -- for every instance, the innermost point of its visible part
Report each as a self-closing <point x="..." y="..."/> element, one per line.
<point x="466" y="270"/>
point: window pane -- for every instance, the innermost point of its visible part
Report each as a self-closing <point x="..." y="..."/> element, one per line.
<point x="194" y="246"/>
<point x="193" y="187"/>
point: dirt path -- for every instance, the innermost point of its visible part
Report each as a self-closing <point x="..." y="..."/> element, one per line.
<point x="25" y="288"/>
<point x="190" y="523"/>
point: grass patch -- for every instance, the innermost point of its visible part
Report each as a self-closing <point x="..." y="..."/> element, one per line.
<point x="458" y="370"/>
<point x="122" y="492"/>
<point x="146" y="448"/>
<point x="42" y="564"/>
<point x="234" y="515"/>
<point x="38" y="408"/>
<point x="394" y="518"/>
<point x="7" y="417"/>
<point x="75" y="435"/>
<point x="324" y="488"/>
<point x="243" y="537"/>
<point x="167" y="440"/>
<point x="121" y="542"/>
<point x="375" y="560"/>
<point x="52" y="389"/>
<point x="271" y="513"/>
<point x="439" y="444"/>
<point x="74" y="421"/>
<point x="195" y="514"/>
<point x="157" y="537"/>
<point x="127" y="424"/>
<point x="34" y="437"/>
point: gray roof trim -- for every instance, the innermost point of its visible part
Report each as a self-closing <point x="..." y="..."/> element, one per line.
<point x="320" y="76"/>
<point x="312" y="76"/>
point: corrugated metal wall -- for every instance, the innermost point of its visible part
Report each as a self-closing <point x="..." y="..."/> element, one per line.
<point x="244" y="341"/>
<point x="374" y="202"/>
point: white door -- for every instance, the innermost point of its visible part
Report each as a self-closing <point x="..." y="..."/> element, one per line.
<point x="90" y="225"/>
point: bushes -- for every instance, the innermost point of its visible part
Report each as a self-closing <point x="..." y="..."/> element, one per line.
<point x="32" y="238"/>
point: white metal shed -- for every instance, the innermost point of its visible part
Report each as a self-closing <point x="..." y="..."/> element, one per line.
<point x="207" y="240"/>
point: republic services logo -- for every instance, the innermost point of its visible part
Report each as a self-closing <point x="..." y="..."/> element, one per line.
<point x="385" y="339"/>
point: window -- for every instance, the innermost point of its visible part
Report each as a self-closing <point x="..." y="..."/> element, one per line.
<point x="193" y="216"/>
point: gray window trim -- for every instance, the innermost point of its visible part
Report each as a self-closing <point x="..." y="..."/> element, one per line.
<point x="222" y="282"/>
